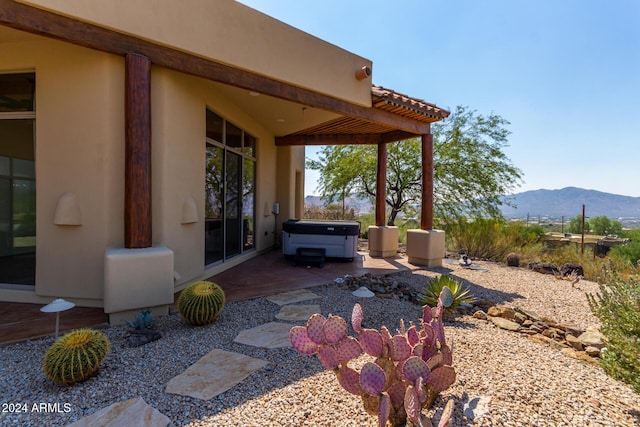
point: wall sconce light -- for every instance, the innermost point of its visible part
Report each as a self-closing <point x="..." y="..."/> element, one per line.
<point x="67" y="210"/>
<point x="189" y="211"/>
<point x="363" y="73"/>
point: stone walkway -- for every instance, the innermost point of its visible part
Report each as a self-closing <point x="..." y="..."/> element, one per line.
<point x="216" y="372"/>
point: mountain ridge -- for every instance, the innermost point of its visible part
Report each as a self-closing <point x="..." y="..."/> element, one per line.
<point x="568" y="202"/>
<point x="565" y="202"/>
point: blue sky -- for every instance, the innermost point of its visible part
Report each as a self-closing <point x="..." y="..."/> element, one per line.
<point x="565" y="74"/>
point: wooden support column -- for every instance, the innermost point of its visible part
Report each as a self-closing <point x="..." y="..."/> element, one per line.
<point x="137" y="193"/>
<point x="381" y="185"/>
<point x="426" y="217"/>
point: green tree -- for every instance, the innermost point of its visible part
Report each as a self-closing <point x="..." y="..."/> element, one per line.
<point x="471" y="172"/>
<point x="603" y="225"/>
<point x="575" y="225"/>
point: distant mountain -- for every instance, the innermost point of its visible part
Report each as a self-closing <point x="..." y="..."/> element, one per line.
<point x="568" y="202"/>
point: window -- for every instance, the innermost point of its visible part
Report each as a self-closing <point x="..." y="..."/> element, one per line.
<point x="230" y="190"/>
<point x="17" y="179"/>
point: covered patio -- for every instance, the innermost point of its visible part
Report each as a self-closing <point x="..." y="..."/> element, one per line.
<point x="267" y="274"/>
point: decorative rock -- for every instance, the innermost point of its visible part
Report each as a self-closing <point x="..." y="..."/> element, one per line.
<point x="569" y="269"/>
<point x="591" y="339"/>
<point x="502" y="311"/>
<point x="513" y="260"/>
<point x="574" y="342"/>
<point x="297" y="312"/>
<point x="530" y="314"/>
<point x="504" y="323"/>
<point x="480" y="315"/>
<point x="477" y="407"/>
<point x="292" y="297"/>
<point x="128" y="413"/>
<point x="269" y="335"/>
<point x="140" y="337"/>
<point x="527" y="323"/>
<point x="544" y="268"/>
<point x="592" y="351"/>
<point x="550" y="342"/>
<point x="521" y="318"/>
<point x="211" y="375"/>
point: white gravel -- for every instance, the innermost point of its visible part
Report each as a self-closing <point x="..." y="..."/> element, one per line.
<point x="525" y="383"/>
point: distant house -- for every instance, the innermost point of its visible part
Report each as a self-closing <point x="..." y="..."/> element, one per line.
<point x="143" y="144"/>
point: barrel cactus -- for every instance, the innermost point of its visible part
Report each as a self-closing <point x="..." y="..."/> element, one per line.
<point x="75" y="356"/>
<point x="201" y="303"/>
<point x="407" y="371"/>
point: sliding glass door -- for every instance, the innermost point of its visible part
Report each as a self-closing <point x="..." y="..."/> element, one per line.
<point x="230" y="190"/>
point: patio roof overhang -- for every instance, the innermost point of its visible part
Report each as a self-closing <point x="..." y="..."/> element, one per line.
<point x="391" y="116"/>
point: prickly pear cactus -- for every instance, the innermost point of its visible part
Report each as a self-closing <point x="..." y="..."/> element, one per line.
<point x="75" y="356"/>
<point x="408" y="369"/>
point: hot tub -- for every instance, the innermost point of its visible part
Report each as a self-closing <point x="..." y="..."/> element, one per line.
<point x="338" y="239"/>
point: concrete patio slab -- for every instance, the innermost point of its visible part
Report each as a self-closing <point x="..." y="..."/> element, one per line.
<point x="269" y="335"/>
<point x="292" y="297"/>
<point x="215" y="373"/>
<point x="297" y="312"/>
<point x="127" y="413"/>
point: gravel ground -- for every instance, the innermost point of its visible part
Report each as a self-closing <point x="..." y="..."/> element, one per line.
<point x="524" y="383"/>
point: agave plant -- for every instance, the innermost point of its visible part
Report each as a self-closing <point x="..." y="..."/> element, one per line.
<point x="461" y="294"/>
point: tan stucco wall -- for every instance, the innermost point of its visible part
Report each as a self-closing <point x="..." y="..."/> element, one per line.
<point x="79" y="149"/>
<point x="290" y="196"/>
<point x="232" y="33"/>
<point x="178" y="123"/>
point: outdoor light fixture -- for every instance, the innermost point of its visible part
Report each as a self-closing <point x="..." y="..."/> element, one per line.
<point x="57" y="306"/>
<point x="363" y="292"/>
<point x="363" y="73"/>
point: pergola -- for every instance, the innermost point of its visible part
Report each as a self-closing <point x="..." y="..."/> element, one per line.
<point x="392" y="116"/>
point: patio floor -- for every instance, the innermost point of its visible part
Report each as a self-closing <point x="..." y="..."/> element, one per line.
<point x="266" y="274"/>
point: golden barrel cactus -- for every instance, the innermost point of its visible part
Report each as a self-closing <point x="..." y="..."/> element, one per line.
<point x="75" y="356"/>
<point x="201" y="303"/>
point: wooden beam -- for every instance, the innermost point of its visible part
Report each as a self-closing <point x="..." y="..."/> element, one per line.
<point x="381" y="185"/>
<point x="426" y="210"/>
<point x="137" y="193"/>
<point x="31" y="19"/>
<point x="343" y="139"/>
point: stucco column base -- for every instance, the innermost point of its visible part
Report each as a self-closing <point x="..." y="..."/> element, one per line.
<point x="136" y="280"/>
<point x="425" y="247"/>
<point x="383" y="241"/>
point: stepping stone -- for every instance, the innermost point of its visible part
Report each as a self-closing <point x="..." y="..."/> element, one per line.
<point x="297" y="312"/>
<point x="127" y="413"/>
<point x="293" y="296"/>
<point x="269" y="335"/>
<point x="215" y="373"/>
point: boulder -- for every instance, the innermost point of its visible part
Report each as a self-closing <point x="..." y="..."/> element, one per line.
<point x="569" y="269"/>
<point x="502" y="311"/>
<point x="574" y="342"/>
<point x="592" y="339"/>
<point x="513" y="260"/>
<point x="544" y="268"/>
<point x="504" y="323"/>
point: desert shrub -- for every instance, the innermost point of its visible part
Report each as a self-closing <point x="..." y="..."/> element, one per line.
<point x="430" y="293"/>
<point x="592" y="266"/>
<point x="617" y="305"/>
<point x="630" y="252"/>
<point x="491" y="238"/>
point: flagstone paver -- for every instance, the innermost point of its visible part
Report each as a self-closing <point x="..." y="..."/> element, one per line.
<point x="215" y="373"/>
<point x="292" y="297"/>
<point x="127" y="413"/>
<point x="297" y="312"/>
<point x="269" y="335"/>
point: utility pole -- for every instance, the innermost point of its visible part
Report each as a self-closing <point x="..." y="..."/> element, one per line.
<point x="582" y="252"/>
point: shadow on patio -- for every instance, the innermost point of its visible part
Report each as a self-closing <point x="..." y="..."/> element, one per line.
<point x="266" y="274"/>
